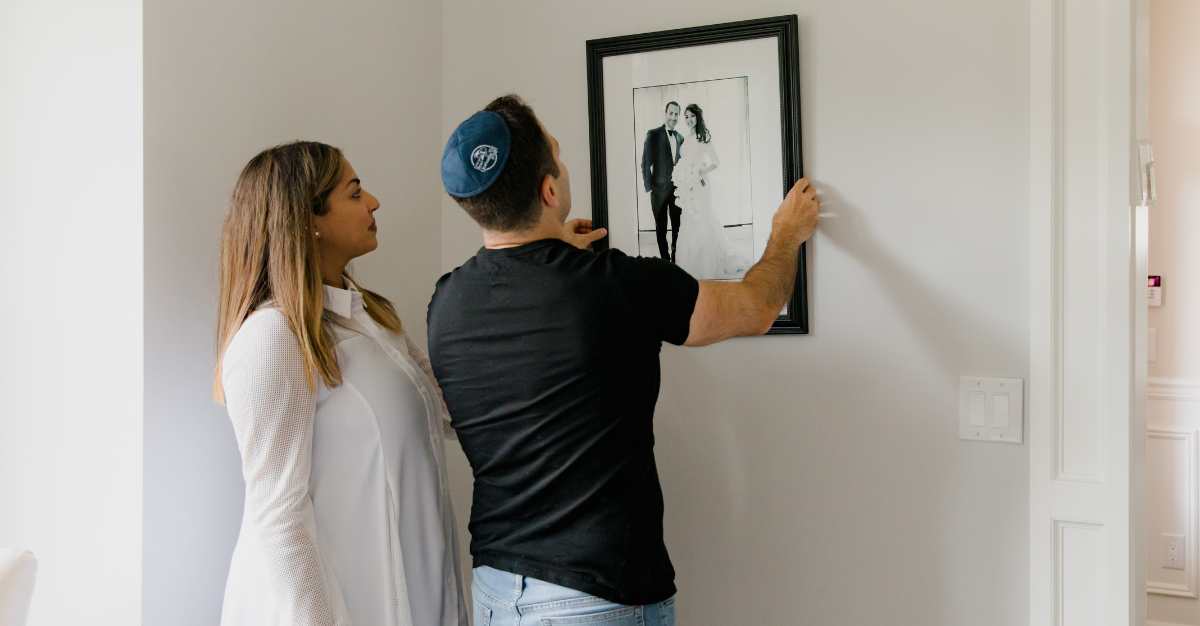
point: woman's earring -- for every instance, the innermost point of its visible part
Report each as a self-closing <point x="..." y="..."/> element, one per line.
<point x="317" y="233"/>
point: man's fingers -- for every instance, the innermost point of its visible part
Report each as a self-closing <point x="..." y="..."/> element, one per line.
<point x="596" y="235"/>
<point x="580" y="226"/>
<point x="800" y="190"/>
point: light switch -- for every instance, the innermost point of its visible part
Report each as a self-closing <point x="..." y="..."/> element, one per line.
<point x="991" y="409"/>
<point x="1000" y="410"/>
<point x="978" y="408"/>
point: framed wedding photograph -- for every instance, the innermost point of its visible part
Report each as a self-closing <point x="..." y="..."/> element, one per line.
<point x="695" y="139"/>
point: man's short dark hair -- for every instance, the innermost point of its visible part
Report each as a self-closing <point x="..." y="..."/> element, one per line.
<point x="668" y="107"/>
<point x="512" y="202"/>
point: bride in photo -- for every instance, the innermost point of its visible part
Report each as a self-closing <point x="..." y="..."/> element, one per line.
<point x="703" y="250"/>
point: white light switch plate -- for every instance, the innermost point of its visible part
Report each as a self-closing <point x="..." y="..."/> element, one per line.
<point x="991" y="409"/>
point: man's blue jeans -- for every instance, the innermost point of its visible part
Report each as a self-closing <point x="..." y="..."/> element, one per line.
<point x="504" y="599"/>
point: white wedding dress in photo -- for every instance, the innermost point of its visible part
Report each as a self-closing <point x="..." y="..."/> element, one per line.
<point x="702" y="250"/>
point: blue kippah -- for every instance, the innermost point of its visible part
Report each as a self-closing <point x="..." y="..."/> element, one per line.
<point x="475" y="154"/>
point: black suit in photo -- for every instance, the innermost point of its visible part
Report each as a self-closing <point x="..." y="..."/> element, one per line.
<point x="657" y="166"/>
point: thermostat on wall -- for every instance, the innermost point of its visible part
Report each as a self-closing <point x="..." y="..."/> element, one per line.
<point x="1154" y="293"/>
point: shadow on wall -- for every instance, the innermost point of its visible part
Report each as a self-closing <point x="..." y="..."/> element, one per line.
<point x="766" y="480"/>
<point x="942" y="324"/>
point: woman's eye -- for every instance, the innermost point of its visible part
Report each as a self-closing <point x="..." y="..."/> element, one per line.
<point x="356" y="195"/>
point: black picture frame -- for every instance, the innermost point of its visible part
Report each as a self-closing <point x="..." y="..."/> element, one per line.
<point x="783" y="28"/>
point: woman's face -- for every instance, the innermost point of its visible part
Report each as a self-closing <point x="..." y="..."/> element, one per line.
<point x="690" y="119"/>
<point x="347" y="230"/>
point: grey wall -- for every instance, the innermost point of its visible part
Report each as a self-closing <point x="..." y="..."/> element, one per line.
<point x="819" y="479"/>
<point x="223" y="80"/>
<point x="809" y="480"/>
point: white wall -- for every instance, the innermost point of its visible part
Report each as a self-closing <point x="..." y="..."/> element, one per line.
<point x="70" y="316"/>
<point x="225" y="79"/>
<point x="1174" y="403"/>
<point x="819" y="479"/>
<point x="1175" y="223"/>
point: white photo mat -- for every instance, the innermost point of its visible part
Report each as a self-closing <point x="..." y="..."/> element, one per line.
<point x="757" y="60"/>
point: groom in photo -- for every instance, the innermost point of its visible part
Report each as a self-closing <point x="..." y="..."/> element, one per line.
<point x="660" y="153"/>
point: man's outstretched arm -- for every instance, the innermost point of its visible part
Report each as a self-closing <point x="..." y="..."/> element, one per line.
<point x="749" y="307"/>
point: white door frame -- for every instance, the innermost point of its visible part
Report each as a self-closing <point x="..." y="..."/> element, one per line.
<point x="1141" y="186"/>
<point x="1085" y="431"/>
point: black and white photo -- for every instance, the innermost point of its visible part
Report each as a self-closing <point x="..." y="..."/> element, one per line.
<point x="695" y="139"/>
<point x="694" y="207"/>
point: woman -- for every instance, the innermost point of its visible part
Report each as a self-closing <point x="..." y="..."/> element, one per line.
<point x="337" y="415"/>
<point x="703" y="250"/>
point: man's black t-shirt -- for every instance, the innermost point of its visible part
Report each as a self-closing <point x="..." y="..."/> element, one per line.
<point x="548" y="358"/>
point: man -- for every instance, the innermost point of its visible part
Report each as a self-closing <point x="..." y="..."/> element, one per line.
<point x="660" y="153"/>
<point x="548" y="356"/>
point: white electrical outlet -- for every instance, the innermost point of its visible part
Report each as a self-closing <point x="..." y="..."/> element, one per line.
<point x="1176" y="556"/>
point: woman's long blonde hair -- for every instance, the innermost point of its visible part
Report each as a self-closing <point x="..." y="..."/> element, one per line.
<point x="269" y="254"/>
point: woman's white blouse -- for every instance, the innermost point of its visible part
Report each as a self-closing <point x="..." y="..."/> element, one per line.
<point x="347" y="516"/>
